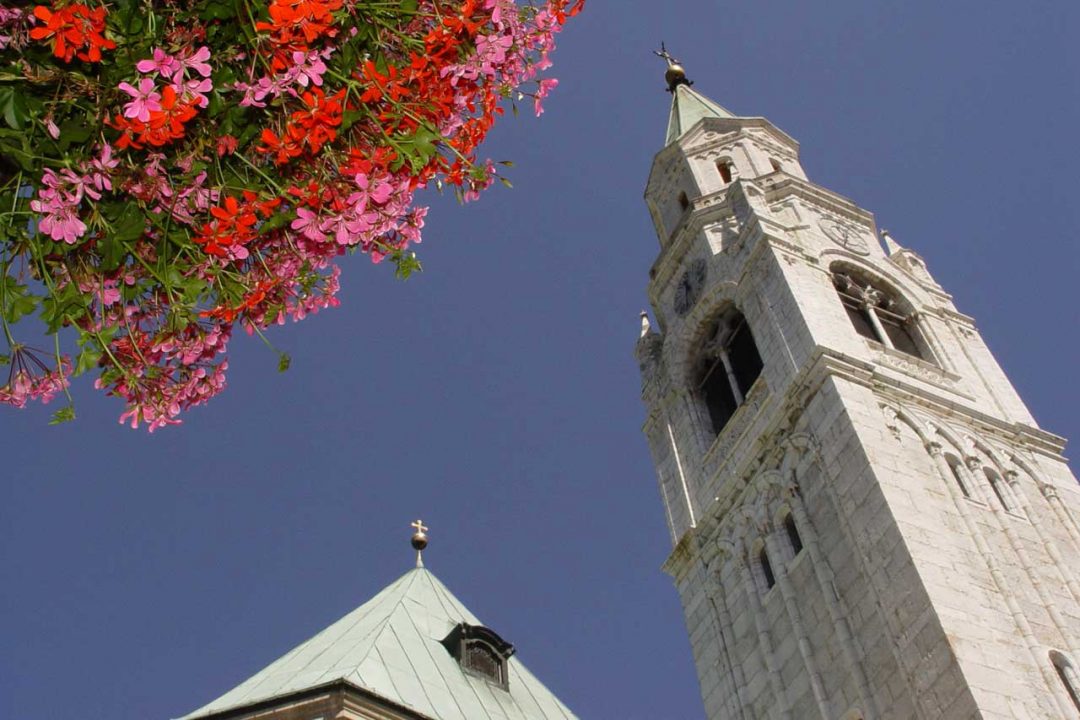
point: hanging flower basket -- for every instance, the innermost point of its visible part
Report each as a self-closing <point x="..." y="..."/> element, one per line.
<point x="172" y="170"/>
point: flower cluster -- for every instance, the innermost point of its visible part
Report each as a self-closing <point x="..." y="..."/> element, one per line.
<point x="31" y="378"/>
<point x="76" y="31"/>
<point x="187" y="167"/>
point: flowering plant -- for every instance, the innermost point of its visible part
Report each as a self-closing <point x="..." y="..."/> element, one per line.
<point x="172" y="170"/>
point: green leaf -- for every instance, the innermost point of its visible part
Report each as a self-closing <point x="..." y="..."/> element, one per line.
<point x="284" y="361"/>
<point x="15" y="148"/>
<point x="73" y="131"/>
<point x="407" y="264"/>
<point x="218" y="10"/>
<point x="111" y="252"/>
<point x="18" y="301"/>
<point x="4" y="359"/>
<point x="87" y="360"/>
<point x="63" y="415"/>
<point x="275" y="221"/>
<point x="349" y="117"/>
<point x="419" y="147"/>
<point x="130" y="224"/>
<point x="13" y="107"/>
<point x="130" y="15"/>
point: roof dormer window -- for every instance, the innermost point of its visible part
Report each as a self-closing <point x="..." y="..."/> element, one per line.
<point x="480" y="652"/>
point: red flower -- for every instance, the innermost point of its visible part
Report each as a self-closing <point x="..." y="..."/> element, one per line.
<point x="76" y="31"/>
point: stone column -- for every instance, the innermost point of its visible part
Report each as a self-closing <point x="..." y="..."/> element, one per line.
<point x="1017" y="545"/>
<point x="823" y="572"/>
<point x="1063" y="515"/>
<point x="1034" y="648"/>
<point x="765" y="646"/>
<point x="736" y="679"/>
<point x="791" y="604"/>
<point x="732" y="380"/>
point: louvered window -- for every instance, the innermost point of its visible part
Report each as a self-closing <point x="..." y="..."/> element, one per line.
<point x="480" y="652"/>
<point x="482" y="659"/>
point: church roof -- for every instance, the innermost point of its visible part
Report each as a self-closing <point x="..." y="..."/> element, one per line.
<point x="391" y="646"/>
<point x="688" y="106"/>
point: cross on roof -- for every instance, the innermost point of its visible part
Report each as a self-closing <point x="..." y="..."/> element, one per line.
<point x="662" y="52"/>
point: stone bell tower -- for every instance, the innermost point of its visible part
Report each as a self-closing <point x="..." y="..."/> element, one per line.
<point x="867" y="522"/>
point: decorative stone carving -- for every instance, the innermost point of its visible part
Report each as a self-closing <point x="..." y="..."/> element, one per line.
<point x="892" y="420"/>
<point x="915" y="367"/>
<point x="845" y="235"/>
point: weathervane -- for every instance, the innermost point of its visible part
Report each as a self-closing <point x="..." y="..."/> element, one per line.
<point x="675" y="75"/>
<point x="419" y="541"/>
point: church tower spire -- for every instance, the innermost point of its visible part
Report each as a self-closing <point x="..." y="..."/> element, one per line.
<point x="866" y="520"/>
<point x="687" y="105"/>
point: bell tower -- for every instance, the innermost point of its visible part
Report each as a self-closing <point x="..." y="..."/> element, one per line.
<point x="866" y="520"/>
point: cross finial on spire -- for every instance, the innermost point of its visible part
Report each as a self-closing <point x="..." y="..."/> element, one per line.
<point x="662" y="52"/>
<point x="675" y="75"/>
<point x="419" y="541"/>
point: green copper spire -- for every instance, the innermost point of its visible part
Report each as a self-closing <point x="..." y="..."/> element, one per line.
<point x="688" y="106"/>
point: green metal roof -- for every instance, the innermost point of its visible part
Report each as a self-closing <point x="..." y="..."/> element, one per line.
<point x="390" y="646"/>
<point x="688" y="106"/>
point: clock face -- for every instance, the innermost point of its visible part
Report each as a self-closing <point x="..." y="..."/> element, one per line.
<point x="846" y="236"/>
<point x="690" y="286"/>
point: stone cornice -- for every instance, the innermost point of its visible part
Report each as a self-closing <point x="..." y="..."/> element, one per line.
<point x="896" y="388"/>
<point x="780" y="186"/>
<point x="786" y="148"/>
<point x="732" y="479"/>
<point x="336" y="699"/>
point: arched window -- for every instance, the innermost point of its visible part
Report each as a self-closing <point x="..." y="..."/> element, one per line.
<point x="958" y="477"/>
<point x="794" y="541"/>
<point x="480" y="652"/>
<point x="1067" y="673"/>
<point x="878" y="315"/>
<point x="1001" y="489"/>
<point x="684" y="201"/>
<point x="765" y="569"/>
<point x="724" y="168"/>
<point x="728" y="366"/>
<point x="775" y="165"/>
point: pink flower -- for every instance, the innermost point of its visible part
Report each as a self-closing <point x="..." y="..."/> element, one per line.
<point x="307" y="224"/>
<point x="30" y="378"/>
<point x="63" y="225"/>
<point x="145" y="100"/>
<point x="102" y="165"/>
<point x="545" y="86"/>
<point x="192" y="89"/>
<point x="58" y="202"/>
<point x="162" y="62"/>
<point x="198" y="62"/>
<point x="309" y="68"/>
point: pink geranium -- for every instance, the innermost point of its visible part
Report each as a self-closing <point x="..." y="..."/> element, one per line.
<point x="145" y="100"/>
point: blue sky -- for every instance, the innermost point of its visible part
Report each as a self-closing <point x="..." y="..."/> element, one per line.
<point x="496" y="395"/>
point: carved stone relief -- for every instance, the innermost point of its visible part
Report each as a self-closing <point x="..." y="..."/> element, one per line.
<point x="845" y="235"/>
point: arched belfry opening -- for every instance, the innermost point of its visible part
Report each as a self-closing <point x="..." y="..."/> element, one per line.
<point x="726" y="367"/>
<point x="879" y="313"/>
